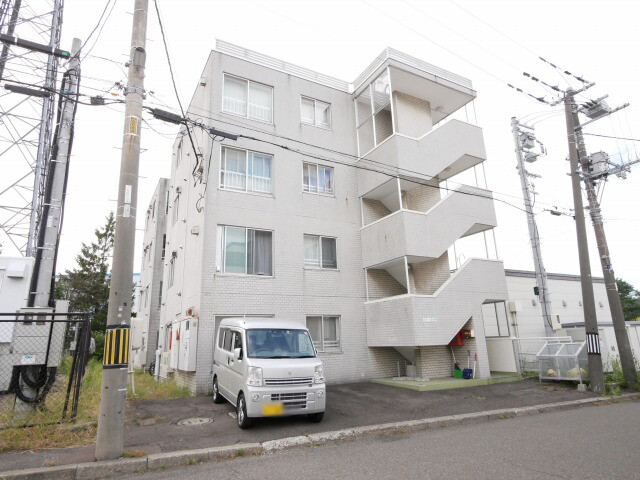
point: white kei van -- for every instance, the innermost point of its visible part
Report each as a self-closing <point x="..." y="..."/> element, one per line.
<point x="267" y="368"/>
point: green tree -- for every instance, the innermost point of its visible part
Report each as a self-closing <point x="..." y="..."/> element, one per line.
<point x="630" y="298"/>
<point x="87" y="286"/>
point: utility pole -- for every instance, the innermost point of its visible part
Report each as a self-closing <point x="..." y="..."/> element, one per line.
<point x="110" y="438"/>
<point x="615" y="305"/>
<point x="525" y="140"/>
<point x="53" y="204"/>
<point x="596" y="377"/>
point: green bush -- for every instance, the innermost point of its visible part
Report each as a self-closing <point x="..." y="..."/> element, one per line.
<point x="98" y="337"/>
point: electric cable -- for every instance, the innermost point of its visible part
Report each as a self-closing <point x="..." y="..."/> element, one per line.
<point x="175" y="87"/>
<point x="96" y="27"/>
<point x="485" y="71"/>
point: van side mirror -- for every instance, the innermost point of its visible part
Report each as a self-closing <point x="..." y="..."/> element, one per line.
<point x="237" y="353"/>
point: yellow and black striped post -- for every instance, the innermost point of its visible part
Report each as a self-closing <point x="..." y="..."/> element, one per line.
<point x="116" y="346"/>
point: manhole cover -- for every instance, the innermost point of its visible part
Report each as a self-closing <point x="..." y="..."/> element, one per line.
<point x="191" y="422"/>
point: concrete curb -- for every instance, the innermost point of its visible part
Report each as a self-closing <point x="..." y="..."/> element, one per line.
<point x="125" y="466"/>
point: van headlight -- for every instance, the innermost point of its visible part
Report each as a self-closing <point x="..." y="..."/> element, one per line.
<point x="254" y="376"/>
<point x="318" y="376"/>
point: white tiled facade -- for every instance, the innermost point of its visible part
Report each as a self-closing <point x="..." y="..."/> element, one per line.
<point x="397" y="293"/>
<point x="151" y="276"/>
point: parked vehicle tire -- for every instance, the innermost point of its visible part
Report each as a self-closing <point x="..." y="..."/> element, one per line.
<point x="241" y="413"/>
<point x="316" y="417"/>
<point x="215" y="396"/>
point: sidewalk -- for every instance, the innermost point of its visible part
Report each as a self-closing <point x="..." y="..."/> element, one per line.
<point x="152" y="425"/>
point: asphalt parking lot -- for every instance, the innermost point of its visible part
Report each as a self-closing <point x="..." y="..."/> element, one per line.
<point x="153" y="426"/>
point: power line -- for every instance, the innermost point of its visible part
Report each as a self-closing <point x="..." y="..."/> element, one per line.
<point x="100" y="31"/>
<point x="175" y="87"/>
<point x="612" y="136"/>
<point x="487" y="72"/>
<point x="473" y="42"/>
<point x="330" y="150"/>
<point x="96" y="27"/>
<point x="556" y="68"/>
<point x="361" y="167"/>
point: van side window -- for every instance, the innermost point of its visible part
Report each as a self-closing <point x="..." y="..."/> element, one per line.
<point x="228" y="336"/>
<point x="221" y="337"/>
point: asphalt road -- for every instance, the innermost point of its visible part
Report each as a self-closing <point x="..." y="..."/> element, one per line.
<point x="587" y="443"/>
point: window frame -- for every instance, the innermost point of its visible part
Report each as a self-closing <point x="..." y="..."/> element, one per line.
<point x="373" y="111"/>
<point x="221" y="251"/>
<point x="247" y="178"/>
<point x="315" y="118"/>
<point x="248" y="82"/>
<point x="320" y="346"/>
<point x="317" y="191"/>
<point x="176" y="209"/>
<point x="319" y="266"/>
<point x="172" y="270"/>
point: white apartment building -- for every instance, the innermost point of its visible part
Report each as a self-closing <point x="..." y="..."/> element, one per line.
<point x="145" y="325"/>
<point x="350" y="208"/>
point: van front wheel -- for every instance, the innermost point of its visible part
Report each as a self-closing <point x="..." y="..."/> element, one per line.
<point x="241" y="413"/>
<point x="316" y="417"/>
<point x="215" y="396"/>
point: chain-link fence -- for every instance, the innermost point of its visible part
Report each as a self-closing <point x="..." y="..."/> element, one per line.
<point x="43" y="357"/>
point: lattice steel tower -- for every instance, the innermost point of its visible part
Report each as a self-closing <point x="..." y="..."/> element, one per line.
<point x="26" y="121"/>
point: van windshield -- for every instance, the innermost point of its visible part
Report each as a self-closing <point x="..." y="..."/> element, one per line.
<point x="279" y="343"/>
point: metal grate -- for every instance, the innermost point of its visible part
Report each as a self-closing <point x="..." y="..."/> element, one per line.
<point x="275" y="382"/>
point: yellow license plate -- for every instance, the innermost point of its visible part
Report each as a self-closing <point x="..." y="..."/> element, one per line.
<point x="271" y="409"/>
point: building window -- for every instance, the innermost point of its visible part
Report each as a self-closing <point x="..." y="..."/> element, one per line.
<point x="315" y="112"/>
<point x="153" y="210"/>
<point x="176" y="208"/>
<point x="166" y="203"/>
<point x="247" y="99"/>
<point x="320" y="251"/>
<point x="244" y="251"/>
<point x="325" y="332"/>
<point x="172" y="268"/>
<point x="246" y="171"/>
<point x="160" y="294"/>
<point x="164" y="245"/>
<point x="146" y="296"/>
<point x="150" y="252"/>
<point x="317" y="179"/>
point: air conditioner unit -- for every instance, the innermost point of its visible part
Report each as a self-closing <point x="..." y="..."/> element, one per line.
<point x="555" y="322"/>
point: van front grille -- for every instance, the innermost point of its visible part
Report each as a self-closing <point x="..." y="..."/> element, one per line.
<point x="281" y="382"/>
<point x="283" y="397"/>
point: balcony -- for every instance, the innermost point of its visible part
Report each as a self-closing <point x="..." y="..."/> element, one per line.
<point x="426" y="235"/>
<point x="452" y="148"/>
<point x="411" y="320"/>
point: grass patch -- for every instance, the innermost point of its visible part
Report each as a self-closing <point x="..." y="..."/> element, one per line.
<point x="134" y="453"/>
<point x="45" y="429"/>
<point x="147" y="388"/>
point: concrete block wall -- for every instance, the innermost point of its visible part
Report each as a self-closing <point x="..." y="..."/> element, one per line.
<point x="413" y="115"/>
<point x="422" y="198"/>
<point x="426" y="277"/>
<point x="382" y="284"/>
<point x="373" y="210"/>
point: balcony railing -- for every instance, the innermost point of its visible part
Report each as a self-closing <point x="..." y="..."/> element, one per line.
<point x="238" y="181"/>
<point x="246" y="109"/>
